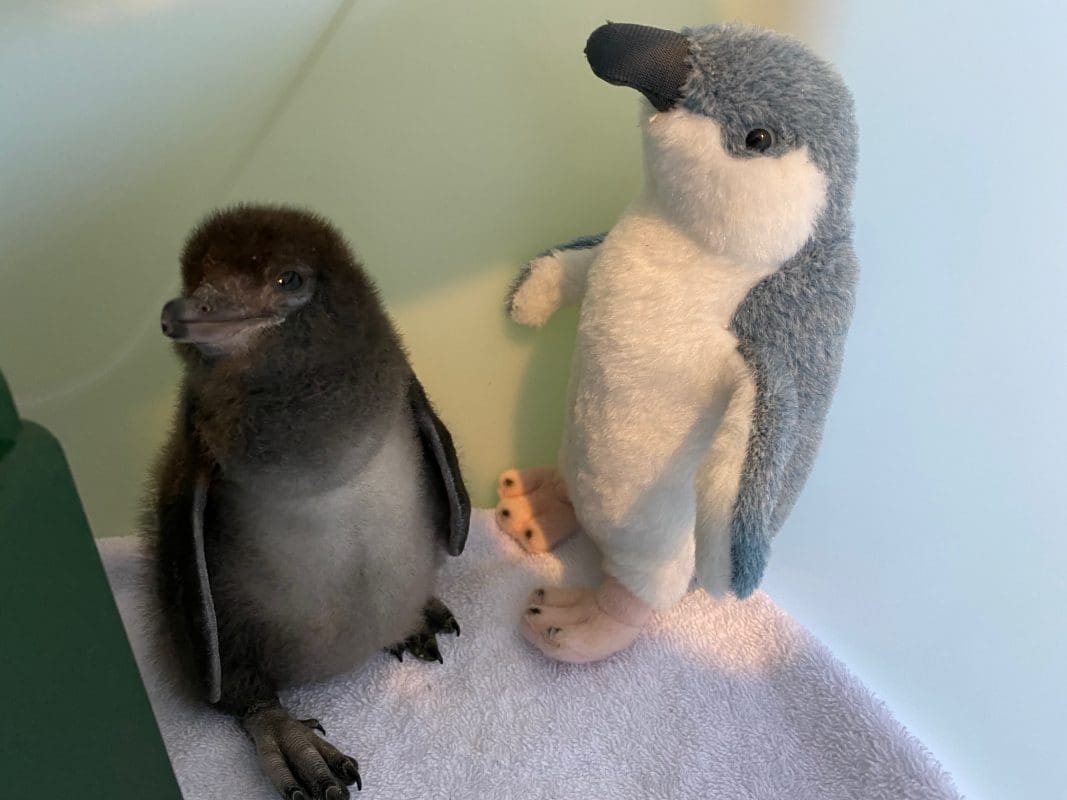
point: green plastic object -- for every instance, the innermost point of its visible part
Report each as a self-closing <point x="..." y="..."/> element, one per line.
<point x="74" y="717"/>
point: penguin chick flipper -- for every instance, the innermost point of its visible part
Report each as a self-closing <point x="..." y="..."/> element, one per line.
<point x="580" y="626"/>
<point x="299" y="763"/>
<point x="181" y="506"/>
<point x="440" y="456"/>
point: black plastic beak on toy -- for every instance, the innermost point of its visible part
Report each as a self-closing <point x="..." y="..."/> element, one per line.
<point x="651" y="60"/>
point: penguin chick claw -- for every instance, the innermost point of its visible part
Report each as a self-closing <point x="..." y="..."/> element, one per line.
<point x="534" y="509"/>
<point x="580" y="626"/>
<point x="422" y="644"/>
<point x="301" y="764"/>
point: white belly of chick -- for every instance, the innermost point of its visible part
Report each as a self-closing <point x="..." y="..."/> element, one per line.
<point x="340" y="574"/>
<point x="654" y="367"/>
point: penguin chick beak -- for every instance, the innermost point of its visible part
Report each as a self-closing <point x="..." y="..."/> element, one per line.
<point x="189" y="320"/>
<point x="651" y="60"/>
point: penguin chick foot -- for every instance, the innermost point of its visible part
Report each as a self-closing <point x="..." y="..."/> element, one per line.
<point x="438" y="618"/>
<point x="422" y="644"/>
<point x="580" y="626"/>
<point x="534" y="509"/>
<point x="301" y="764"/>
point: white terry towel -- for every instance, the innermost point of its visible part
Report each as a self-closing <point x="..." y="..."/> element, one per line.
<point x="719" y="699"/>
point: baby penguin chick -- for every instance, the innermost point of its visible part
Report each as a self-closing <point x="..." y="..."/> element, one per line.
<point x="308" y="490"/>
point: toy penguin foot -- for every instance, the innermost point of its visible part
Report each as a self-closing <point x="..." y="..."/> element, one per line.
<point x="534" y="509"/>
<point x="580" y="626"/>
<point x="301" y="764"/>
<point x="423" y="644"/>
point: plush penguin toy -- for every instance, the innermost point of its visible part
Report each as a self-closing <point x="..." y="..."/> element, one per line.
<point x="308" y="491"/>
<point x="712" y="324"/>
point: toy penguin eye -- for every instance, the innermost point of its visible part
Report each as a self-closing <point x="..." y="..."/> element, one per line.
<point x="759" y="140"/>
<point x="290" y="281"/>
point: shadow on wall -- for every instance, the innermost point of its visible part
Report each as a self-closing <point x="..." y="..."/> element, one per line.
<point x="540" y="405"/>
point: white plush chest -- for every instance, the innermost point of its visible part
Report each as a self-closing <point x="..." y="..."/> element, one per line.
<point x="658" y="306"/>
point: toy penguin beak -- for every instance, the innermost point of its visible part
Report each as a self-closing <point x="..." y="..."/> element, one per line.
<point x="651" y="60"/>
<point x="186" y="319"/>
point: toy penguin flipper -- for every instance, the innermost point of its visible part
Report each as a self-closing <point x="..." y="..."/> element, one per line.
<point x="590" y="242"/>
<point x="771" y="444"/>
<point x="562" y="269"/>
<point x="441" y="457"/>
<point x="791" y="330"/>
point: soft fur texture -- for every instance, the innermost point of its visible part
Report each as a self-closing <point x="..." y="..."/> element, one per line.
<point x="654" y="368"/>
<point x="756" y="211"/>
<point x="332" y="489"/>
<point x="718" y="700"/>
<point x="297" y="416"/>
<point x="712" y="318"/>
<point x="555" y="278"/>
<point x="342" y="572"/>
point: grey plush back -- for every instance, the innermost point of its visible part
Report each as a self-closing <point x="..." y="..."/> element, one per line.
<point x="792" y="325"/>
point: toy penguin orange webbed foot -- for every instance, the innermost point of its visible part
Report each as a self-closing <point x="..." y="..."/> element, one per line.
<point x="534" y="508"/>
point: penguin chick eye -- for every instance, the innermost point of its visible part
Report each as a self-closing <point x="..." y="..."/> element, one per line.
<point x="290" y="281"/>
<point x="759" y="140"/>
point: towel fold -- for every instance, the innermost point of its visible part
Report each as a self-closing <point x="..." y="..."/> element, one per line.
<point x="718" y="699"/>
